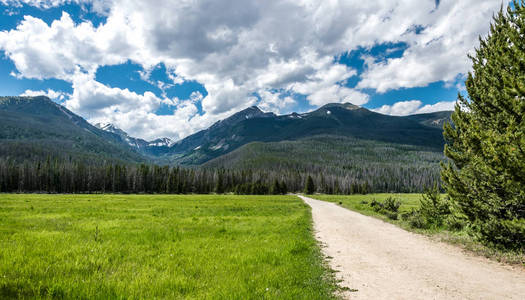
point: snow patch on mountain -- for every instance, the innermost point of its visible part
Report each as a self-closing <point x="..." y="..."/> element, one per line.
<point x="134" y="142"/>
<point x="162" y="142"/>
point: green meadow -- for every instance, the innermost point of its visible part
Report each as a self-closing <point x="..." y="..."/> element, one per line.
<point x="361" y="203"/>
<point x="159" y="246"/>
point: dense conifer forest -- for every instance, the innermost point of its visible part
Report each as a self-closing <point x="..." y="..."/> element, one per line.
<point x="345" y="149"/>
<point x="54" y="175"/>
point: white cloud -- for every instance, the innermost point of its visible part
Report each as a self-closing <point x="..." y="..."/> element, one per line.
<point x="100" y="6"/>
<point x="238" y="48"/>
<point x="274" y="102"/>
<point x="439" y="106"/>
<point x="63" y="48"/>
<point x="51" y="94"/>
<point x="196" y="96"/>
<point x="439" y="52"/>
<point x="135" y="113"/>
<point x="410" y="107"/>
<point x="35" y="3"/>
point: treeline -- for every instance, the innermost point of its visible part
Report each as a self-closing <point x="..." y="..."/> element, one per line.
<point x="340" y="164"/>
<point x="67" y="176"/>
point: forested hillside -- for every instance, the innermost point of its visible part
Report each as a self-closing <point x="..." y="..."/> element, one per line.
<point x="342" y="147"/>
<point x="33" y="128"/>
<point x="347" y="120"/>
<point x="340" y="164"/>
<point x="64" y="176"/>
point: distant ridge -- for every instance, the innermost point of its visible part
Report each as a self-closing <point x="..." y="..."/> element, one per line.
<point x="36" y="128"/>
<point x="39" y="123"/>
<point x="336" y="119"/>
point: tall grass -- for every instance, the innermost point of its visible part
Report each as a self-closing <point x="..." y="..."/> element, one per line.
<point x="159" y="246"/>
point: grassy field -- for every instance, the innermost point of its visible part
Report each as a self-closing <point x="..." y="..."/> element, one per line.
<point x="361" y="203"/>
<point x="462" y="238"/>
<point x="159" y="246"/>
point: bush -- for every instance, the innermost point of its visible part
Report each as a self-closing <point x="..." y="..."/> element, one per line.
<point x="389" y="207"/>
<point x="392" y="205"/>
<point x="433" y="209"/>
<point x="509" y="234"/>
<point x="376" y="205"/>
<point x="416" y="220"/>
<point x="391" y="215"/>
<point x="455" y="222"/>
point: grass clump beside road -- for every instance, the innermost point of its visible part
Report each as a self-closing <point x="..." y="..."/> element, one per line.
<point x="365" y="204"/>
<point x="159" y="246"/>
<point x="404" y="210"/>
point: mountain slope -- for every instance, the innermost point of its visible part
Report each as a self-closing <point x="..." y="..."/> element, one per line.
<point x="157" y="147"/>
<point x="333" y="119"/>
<point x="219" y="130"/>
<point x="435" y="119"/>
<point x="36" y="127"/>
<point x="387" y="166"/>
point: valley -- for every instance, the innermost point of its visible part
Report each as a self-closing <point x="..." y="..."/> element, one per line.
<point x="362" y="151"/>
<point x="262" y="149"/>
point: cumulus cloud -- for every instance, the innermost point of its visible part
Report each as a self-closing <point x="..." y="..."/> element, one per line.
<point x="99" y="6"/>
<point x="35" y="3"/>
<point x="410" y="107"/>
<point x="135" y="113"/>
<point x="274" y="102"/>
<point x="438" y="53"/>
<point x="62" y="49"/>
<point x="51" y="94"/>
<point x="239" y="49"/>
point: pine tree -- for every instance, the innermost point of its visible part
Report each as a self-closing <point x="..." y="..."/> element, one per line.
<point x="486" y="142"/>
<point x="309" y="186"/>
<point x="284" y="188"/>
<point x="219" y="187"/>
<point x="275" y="189"/>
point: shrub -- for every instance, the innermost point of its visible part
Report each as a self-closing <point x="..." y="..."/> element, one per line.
<point x="455" y="222"/>
<point x="433" y="211"/>
<point x="433" y="208"/>
<point x="509" y="234"/>
<point x="415" y="219"/>
<point x="391" y="215"/>
<point x="392" y="205"/>
<point x="389" y="207"/>
<point x="376" y="205"/>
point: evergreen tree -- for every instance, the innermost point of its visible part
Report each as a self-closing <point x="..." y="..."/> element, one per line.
<point x="486" y="142"/>
<point x="219" y="187"/>
<point x="275" y="189"/>
<point x="309" y="186"/>
<point x="284" y="188"/>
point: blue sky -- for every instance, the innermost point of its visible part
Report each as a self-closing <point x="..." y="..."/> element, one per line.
<point x="167" y="69"/>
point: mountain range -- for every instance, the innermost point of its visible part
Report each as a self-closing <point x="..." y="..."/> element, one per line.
<point x="32" y="127"/>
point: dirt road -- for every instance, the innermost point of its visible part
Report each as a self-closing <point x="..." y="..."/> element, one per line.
<point x="382" y="261"/>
